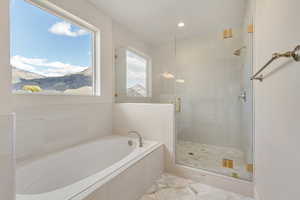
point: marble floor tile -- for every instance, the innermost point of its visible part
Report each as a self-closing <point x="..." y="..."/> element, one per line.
<point x="210" y="157"/>
<point x="170" y="187"/>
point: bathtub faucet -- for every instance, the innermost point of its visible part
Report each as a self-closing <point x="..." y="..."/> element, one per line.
<point x="139" y="136"/>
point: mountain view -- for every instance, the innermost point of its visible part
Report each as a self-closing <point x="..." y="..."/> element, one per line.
<point x="76" y="83"/>
<point x="54" y="57"/>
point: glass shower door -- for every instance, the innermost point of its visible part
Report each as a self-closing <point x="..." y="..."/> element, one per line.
<point x="214" y="103"/>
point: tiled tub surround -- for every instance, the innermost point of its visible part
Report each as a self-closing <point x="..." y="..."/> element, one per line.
<point x="209" y="157"/>
<point x="92" y="171"/>
<point x="44" y="129"/>
<point x="170" y="187"/>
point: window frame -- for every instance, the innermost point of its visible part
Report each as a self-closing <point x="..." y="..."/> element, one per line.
<point x="96" y="45"/>
<point x="148" y="73"/>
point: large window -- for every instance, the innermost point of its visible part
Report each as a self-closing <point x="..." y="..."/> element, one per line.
<point x="51" y="52"/>
<point x="137" y="75"/>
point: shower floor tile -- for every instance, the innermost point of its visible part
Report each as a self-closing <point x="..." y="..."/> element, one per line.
<point x="210" y="157"/>
<point x="170" y="187"/>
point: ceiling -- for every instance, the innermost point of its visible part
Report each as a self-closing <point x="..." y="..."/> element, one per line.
<point x="156" y="20"/>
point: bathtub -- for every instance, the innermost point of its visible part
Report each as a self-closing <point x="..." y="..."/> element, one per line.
<point x="92" y="171"/>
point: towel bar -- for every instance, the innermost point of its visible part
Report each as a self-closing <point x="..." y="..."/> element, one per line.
<point x="290" y="54"/>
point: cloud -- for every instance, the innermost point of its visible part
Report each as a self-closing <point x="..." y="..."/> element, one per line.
<point x="30" y="61"/>
<point x="44" y="67"/>
<point x="15" y="62"/>
<point x="65" y="28"/>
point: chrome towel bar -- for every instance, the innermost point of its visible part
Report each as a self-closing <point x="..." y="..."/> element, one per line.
<point x="290" y="54"/>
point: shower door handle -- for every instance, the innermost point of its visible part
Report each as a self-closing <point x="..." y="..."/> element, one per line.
<point x="178" y="106"/>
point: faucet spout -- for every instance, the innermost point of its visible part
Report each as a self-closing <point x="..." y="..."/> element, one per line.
<point x="139" y="136"/>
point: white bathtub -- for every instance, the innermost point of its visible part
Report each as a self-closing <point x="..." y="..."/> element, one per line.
<point x="78" y="172"/>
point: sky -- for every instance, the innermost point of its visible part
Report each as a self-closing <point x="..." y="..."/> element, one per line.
<point x="45" y="44"/>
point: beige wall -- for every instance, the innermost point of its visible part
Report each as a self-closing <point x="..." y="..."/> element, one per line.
<point x="277" y="108"/>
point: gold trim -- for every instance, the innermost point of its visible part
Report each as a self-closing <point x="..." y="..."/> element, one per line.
<point x="228" y="33"/>
<point x="249" y="168"/>
<point x="225" y="34"/>
<point x="228" y="163"/>
<point x="250" y="28"/>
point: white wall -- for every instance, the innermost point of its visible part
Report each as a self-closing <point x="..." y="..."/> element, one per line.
<point x="7" y="163"/>
<point x="6" y="126"/>
<point x="153" y="121"/>
<point x="5" y="76"/>
<point x="277" y="101"/>
<point x="122" y="37"/>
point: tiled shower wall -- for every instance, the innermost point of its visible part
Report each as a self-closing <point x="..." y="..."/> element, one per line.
<point x="211" y="110"/>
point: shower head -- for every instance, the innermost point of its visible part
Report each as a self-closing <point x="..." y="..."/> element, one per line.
<point x="238" y="52"/>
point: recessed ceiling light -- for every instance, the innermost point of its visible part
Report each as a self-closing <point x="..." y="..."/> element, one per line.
<point x="180" y="24"/>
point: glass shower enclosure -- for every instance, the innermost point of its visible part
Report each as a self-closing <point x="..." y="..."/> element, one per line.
<point x="213" y="94"/>
<point x="214" y="103"/>
<point x="206" y="75"/>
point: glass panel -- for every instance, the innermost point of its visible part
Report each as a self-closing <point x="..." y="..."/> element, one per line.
<point x="48" y="54"/>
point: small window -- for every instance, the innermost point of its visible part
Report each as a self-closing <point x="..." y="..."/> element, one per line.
<point x="50" y="54"/>
<point x="137" y="75"/>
